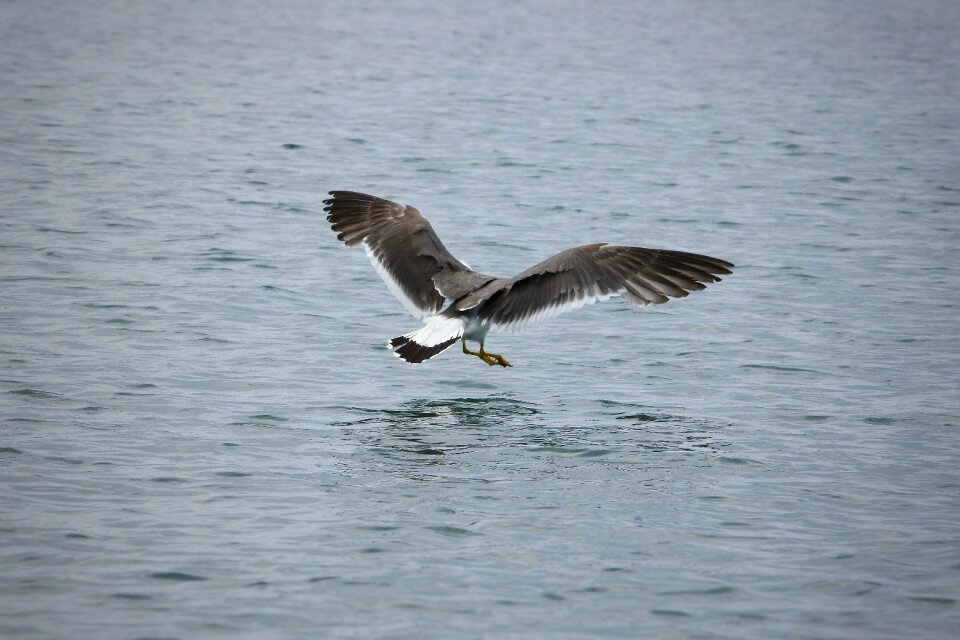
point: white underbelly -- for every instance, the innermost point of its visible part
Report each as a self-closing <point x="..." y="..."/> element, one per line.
<point x="476" y="330"/>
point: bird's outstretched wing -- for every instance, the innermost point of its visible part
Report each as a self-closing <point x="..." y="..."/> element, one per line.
<point x="583" y="275"/>
<point x="403" y="247"/>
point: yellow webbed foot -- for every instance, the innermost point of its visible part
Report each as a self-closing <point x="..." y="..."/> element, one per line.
<point x="494" y="358"/>
<point x="490" y="358"/>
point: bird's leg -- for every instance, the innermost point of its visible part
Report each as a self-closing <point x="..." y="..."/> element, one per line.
<point x="483" y="355"/>
<point x="490" y="358"/>
<point x="467" y="351"/>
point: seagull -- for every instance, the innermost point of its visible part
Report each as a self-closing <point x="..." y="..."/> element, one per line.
<point x="457" y="303"/>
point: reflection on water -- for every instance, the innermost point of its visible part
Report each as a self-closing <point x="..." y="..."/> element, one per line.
<point x="455" y="412"/>
<point x="429" y="427"/>
<point x="614" y="430"/>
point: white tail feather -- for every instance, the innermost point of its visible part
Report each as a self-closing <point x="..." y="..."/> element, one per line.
<point x="438" y="334"/>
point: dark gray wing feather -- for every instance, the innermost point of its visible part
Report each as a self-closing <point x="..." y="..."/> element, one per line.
<point x="403" y="246"/>
<point x="583" y="275"/>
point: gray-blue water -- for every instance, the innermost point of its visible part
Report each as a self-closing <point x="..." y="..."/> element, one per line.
<point x="204" y="435"/>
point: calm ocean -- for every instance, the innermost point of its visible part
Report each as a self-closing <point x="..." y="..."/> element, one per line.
<point x="204" y="434"/>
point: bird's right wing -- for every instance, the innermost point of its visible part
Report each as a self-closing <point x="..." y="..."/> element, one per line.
<point x="401" y="244"/>
<point x="583" y="275"/>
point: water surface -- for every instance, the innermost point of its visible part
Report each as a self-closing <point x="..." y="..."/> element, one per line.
<point x="204" y="434"/>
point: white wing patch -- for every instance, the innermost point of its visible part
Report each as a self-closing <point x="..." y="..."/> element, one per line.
<point x="395" y="288"/>
<point x="553" y="310"/>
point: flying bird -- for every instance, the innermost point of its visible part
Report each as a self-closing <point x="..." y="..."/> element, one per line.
<point x="457" y="303"/>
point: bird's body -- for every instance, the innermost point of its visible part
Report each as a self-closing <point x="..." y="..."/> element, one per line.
<point x="458" y="303"/>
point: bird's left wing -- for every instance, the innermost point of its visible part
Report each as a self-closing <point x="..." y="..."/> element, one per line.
<point x="403" y="247"/>
<point x="585" y="274"/>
